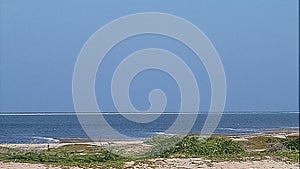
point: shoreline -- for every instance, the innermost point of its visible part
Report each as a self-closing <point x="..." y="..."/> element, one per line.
<point x="282" y="133"/>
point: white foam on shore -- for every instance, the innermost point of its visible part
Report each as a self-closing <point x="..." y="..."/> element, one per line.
<point x="238" y="129"/>
<point x="48" y="139"/>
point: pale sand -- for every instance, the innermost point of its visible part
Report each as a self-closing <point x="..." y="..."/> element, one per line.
<point x="174" y="163"/>
<point x="12" y="165"/>
<point x="201" y="163"/>
<point x="122" y="147"/>
<point x="44" y="146"/>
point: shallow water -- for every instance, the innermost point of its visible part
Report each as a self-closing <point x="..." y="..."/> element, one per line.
<point x="47" y="127"/>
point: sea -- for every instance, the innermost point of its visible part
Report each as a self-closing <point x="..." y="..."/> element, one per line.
<point x="47" y="127"/>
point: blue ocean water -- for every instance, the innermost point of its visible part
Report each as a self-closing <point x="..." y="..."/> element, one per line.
<point x="49" y="127"/>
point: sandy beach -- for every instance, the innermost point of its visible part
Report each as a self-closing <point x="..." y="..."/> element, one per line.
<point x="173" y="163"/>
<point x="139" y="146"/>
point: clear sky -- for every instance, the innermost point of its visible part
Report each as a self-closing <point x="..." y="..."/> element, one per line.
<point x="257" y="41"/>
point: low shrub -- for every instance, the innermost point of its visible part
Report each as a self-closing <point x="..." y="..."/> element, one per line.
<point x="192" y="146"/>
<point x="292" y="144"/>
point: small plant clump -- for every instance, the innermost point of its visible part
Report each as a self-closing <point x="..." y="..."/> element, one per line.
<point x="292" y="144"/>
<point x="192" y="146"/>
<point x="162" y="144"/>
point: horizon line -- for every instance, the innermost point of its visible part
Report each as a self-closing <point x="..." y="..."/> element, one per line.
<point x="137" y="113"/>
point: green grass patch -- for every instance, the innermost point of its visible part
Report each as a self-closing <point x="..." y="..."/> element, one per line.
<point x="161" y="144"/>
<point x="260" y="142"/>
<point x="70" y="155"/>
<point x="292" y="144"/>
<point x="191" y="146"/>
<point x="287" y="156"/>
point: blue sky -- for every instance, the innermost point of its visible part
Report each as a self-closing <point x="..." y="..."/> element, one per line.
<point x="257" y="42"/>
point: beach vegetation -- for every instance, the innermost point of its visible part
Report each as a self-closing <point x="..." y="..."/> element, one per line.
<point x="215" y="148"/>
<point x="292" y="144"/>
<point x="82" y="155"/>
